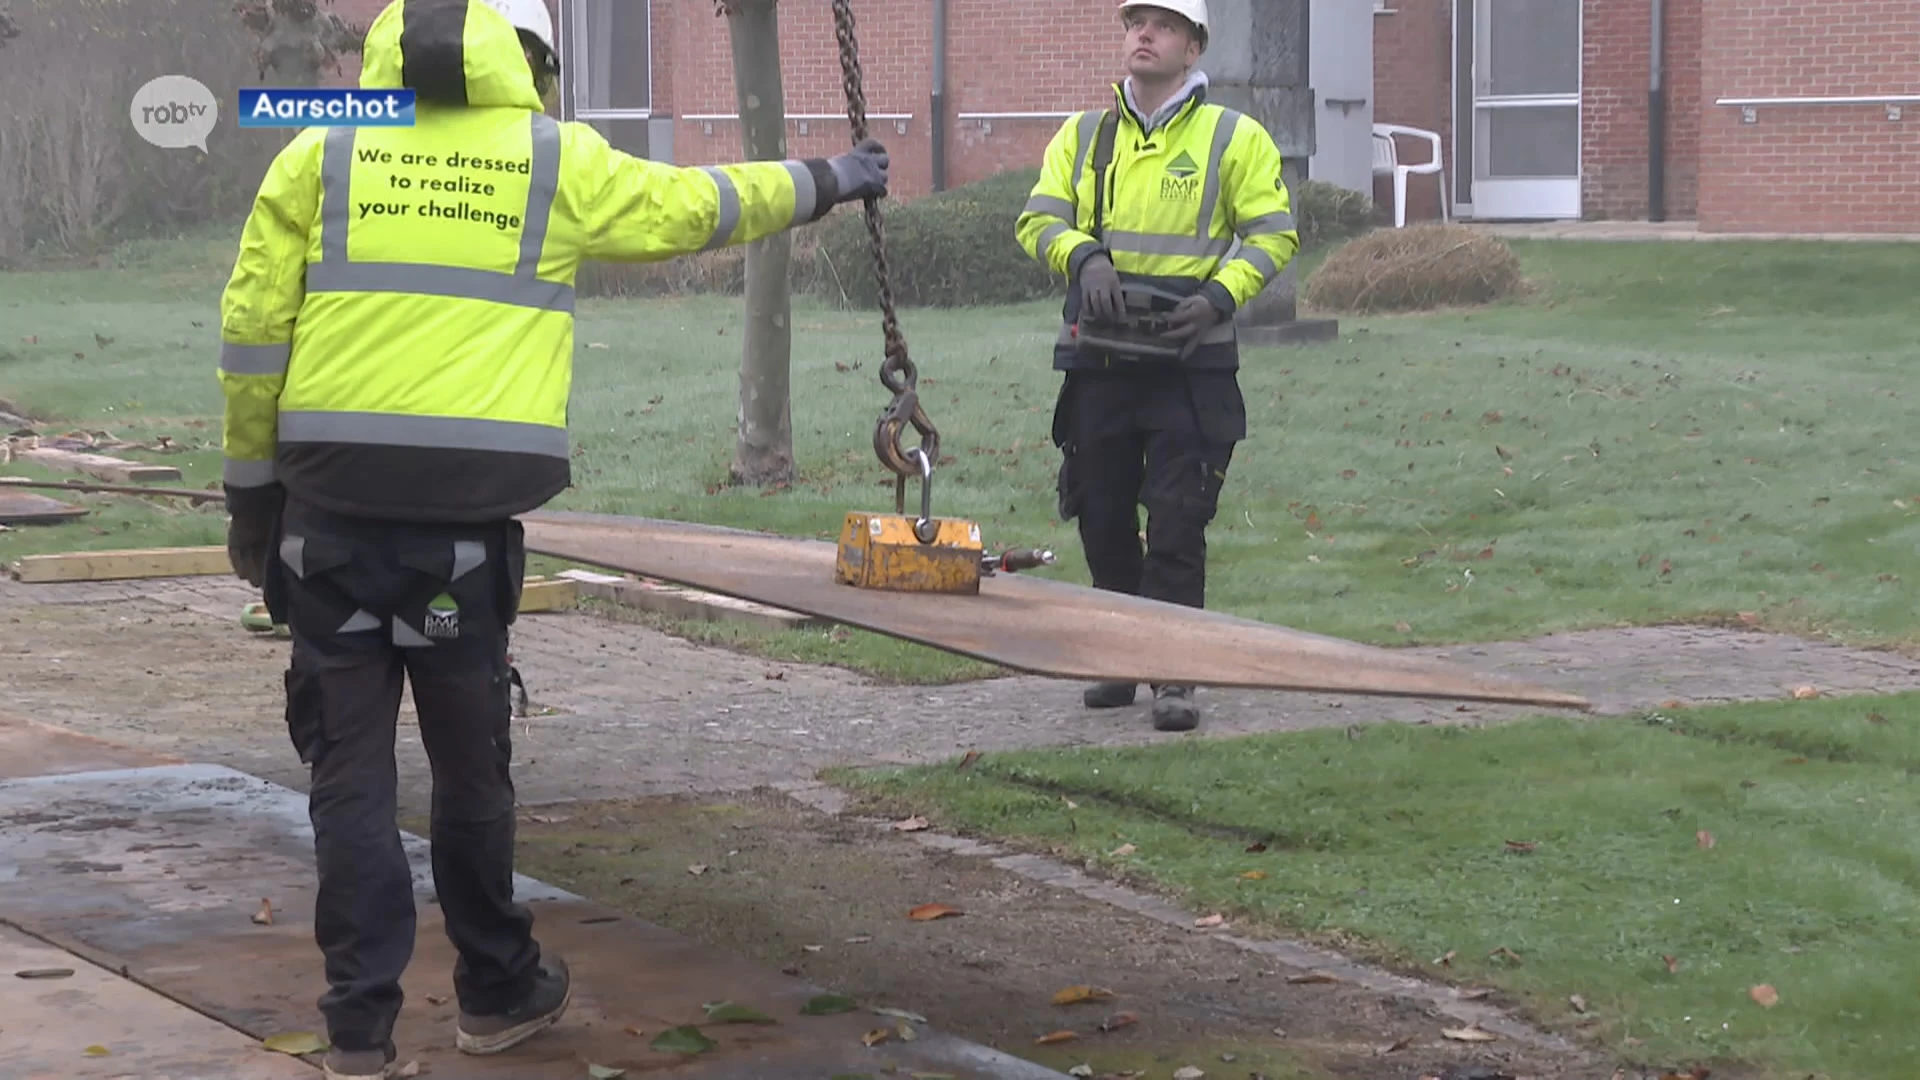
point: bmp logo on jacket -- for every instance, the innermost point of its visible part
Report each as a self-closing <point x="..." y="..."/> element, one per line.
<point x="443" y="618"/>
<point x="1182" y="182"/>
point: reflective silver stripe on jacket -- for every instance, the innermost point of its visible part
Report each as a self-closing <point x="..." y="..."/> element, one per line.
<point x="432" y="432"/>
<point x="336" y="273"/>
<point x="255" y="359"/>
<point x="1221" y="333"/>
<point x="235" y="472"/>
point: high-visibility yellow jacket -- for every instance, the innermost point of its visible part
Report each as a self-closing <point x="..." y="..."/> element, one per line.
<point x="1194" y="203"/>
<point x="397" y="332"/>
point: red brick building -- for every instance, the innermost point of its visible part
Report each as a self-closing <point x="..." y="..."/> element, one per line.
<point x="1560" y="106"/>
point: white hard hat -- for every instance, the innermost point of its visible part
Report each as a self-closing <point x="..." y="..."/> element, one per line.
<point x="531" y="16"/>
<point x="1194" y="10"/>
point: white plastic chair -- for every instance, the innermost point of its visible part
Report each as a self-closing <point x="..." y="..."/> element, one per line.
<point x="1386" y="162"/>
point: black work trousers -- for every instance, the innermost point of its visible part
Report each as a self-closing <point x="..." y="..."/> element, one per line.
<point x="368" y="603"/>
<point x="1156" y="435"/>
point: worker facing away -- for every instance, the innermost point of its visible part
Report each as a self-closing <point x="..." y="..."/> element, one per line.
<point x="397" y="338"/>
<point x="1166" y="214"/>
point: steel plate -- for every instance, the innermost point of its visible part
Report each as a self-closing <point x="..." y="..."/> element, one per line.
<point x="1021" y="621"/>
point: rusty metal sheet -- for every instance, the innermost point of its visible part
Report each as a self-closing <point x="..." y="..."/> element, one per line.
<point x="156" y="873"/>
<point x="1021" y="621"/>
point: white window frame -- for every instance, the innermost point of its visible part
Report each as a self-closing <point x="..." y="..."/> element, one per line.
<point x="573" y="53"/>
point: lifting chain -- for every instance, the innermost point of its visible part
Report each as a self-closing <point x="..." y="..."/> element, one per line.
<point x="897" y="372"/>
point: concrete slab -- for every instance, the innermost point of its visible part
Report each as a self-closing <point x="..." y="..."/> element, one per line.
<point x="51" y="1023"/>
<point x="158" y="871"/>
<point x="31" y="748"/>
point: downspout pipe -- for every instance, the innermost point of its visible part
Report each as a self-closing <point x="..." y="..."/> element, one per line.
<point x="1657" y="118"/>
<point x="937" y="124"/>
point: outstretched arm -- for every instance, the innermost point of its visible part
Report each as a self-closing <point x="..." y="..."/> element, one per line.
<point x="257" y="310"/>
<point x="636" y="210"/>
<point x="1262" y="215"/>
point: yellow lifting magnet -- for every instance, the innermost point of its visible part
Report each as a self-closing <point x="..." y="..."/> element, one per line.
<point x="899" y="553"/>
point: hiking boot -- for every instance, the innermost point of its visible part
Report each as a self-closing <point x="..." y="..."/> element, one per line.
<point x="552" y="992"/>
<point x="1109" y="695"/>
<point x="361" y="1064"/>
<point x="1174" y="710"/>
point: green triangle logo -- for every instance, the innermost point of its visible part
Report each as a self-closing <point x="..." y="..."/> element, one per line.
<point x="1182" y="166"/>
<point x="443" y="605"/>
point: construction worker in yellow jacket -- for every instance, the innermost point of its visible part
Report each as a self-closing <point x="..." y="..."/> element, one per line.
<point x="1166" y="214"/>
<point x="397" y="341"/>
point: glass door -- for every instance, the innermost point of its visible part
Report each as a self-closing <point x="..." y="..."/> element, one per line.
<point x="1524" y="81"/>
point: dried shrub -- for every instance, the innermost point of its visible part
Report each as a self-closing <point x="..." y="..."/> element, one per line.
<point x="720" y="273"/>
<point x="1418" y="268"/>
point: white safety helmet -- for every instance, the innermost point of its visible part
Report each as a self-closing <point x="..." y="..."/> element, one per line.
<point x="1195" y="12"/>
<point x="529" y="15"/>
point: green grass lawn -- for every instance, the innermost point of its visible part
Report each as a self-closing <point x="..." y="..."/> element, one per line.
<point x="1548" y="858"/>
<point x="1658" y="432"/>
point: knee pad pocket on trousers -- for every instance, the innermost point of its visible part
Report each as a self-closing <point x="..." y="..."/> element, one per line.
<point x="305" y="714"/>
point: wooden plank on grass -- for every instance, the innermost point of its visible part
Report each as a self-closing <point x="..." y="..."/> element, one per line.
<point x="100" y="465"/>
<point x="548" y="594"/>
<point x="122" y="565"/>
<point x="26" y="508"/>
<point x="685" y="603"/>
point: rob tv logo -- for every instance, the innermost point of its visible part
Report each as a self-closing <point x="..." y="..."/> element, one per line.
<point x="174" y="111"/>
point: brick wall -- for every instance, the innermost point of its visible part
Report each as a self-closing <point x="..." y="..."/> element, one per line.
<point x="1412" y="76"/>
<point x="1618" y="39"/>
<point x="1839" y="168"/>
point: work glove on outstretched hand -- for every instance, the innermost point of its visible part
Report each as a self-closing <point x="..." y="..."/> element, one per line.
<point x="861" y="172"/>
<point x="1100" y="298"/>
<point x="252" y="515"/>
<point x="1192" y="318"/>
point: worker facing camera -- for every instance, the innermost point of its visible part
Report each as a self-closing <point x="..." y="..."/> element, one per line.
<point x="1166" y="214"/>
<point x="373" y="472"/>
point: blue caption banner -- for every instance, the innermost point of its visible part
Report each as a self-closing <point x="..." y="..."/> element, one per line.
<point x="270" y="107"/>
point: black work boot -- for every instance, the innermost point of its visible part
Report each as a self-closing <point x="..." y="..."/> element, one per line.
<point x="1109" y="695"/>
<point x="1174" y="710"/>
<point x="360" y="1064"/>
<point x="552" y="992"/>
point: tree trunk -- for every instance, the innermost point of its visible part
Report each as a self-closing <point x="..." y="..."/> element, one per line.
<point x="763" y="453"/>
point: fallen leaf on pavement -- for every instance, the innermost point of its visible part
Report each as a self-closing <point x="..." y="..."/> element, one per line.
<point x="827" y="1005"/>
<point x="633" y="1030"/>
<point x="726" y="1012"/>
<point x="97" y="1051"/>
<point x="912" y="824"/>
<point x="1074" y="995"/>
<point x="1704" y="839"/>
<point x="929" y="912"/>
<point x="876" y="1036"/>
<point x="1056" y="1037"/>
<point x="697" y="869"/>
<point x="264" y="916"/>
<point x="604" y="1072"/>
<point x="1209" y="921"/>
<point x="1312" y="977"/>
<point x="1396" y="1045"/>
<point x="436" y="999"/>
<point x="905" y="1031"/>
<point x="1765" y="996"/>
<point x="1468" y="1034"/>
<point x="294" y="1042"/>
<point x="682" y="1040"/>
<point x="1805" y="692"/>
<point x="901" y="1014"/>
<point x="1118" y="1021"/>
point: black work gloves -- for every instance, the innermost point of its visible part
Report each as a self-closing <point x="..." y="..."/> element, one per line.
<point x="861" y="172"/>
<point x="1191" y="319"/>
<point x="1100" y="298"/>
<point x="248" y="538"/>
<point x="252" y="515"/>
